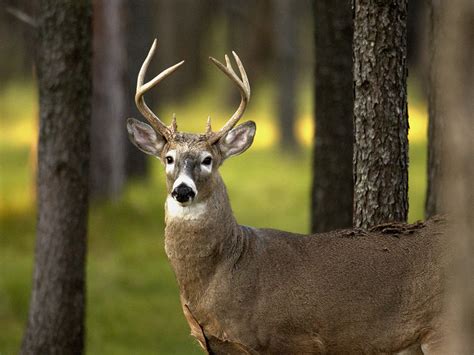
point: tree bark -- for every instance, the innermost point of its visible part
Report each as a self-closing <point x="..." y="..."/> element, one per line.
<point x="332" y="191"/>
<point x="56" y="316"/>
<point x="285" y="24"/>
<point x="453" y="91"/>
<point x="108" y="134"/>
<point x="380" y="112"/>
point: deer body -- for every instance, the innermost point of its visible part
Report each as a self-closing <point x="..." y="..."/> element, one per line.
<point x="246" y="290"/>
<point x="268" y="291"/>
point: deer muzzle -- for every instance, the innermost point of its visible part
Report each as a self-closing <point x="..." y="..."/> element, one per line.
<point x="183" y="193"/>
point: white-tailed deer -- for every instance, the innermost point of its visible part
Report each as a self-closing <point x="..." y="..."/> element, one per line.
<point x="247" y="290"/>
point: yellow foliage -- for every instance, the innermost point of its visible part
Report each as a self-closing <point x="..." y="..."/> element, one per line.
<point x="418" y="118"/>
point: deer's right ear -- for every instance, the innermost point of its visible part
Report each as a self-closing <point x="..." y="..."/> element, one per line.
<point x="144" y="137"/>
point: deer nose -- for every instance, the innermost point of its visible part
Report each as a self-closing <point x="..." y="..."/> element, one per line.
<point x="183" y="193"/>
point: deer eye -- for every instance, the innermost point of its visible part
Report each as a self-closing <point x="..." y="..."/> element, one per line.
<point x="207" y="161"/>
<point x="169" y="160"/>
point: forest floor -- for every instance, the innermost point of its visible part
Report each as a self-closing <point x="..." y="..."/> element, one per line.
<point x="133" y="305"/>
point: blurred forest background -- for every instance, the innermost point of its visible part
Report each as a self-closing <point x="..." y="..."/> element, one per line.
<point x="133" y="299"/>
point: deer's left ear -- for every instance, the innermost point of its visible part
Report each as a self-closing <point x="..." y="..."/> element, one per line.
<point x="238" y="140"/>
<point x="144" y="137"/>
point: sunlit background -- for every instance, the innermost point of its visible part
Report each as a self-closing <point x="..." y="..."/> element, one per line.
<point x="133" y="304"/>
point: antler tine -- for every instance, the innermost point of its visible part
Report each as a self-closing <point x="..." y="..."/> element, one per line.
<point x="156" y="123"/>
<point x="208" y="125"/>
<point x="243" y="74"/>
<point x="244" y="87"/>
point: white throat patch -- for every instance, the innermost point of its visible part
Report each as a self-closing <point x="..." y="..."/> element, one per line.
<point x="174" y="210"/>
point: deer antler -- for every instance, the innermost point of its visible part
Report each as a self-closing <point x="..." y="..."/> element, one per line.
<point x="157" y="124"/>
<point x="244" y="87"/>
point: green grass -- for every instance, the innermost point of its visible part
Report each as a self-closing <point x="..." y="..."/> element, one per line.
<point x="133" y="305"/>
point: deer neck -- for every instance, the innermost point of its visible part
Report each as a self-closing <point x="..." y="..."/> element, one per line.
<point x="198" y="237"/>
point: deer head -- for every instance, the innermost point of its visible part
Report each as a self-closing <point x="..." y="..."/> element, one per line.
<point x="191" y="160"/>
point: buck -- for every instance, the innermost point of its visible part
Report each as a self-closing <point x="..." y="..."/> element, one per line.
<point x="248" y="290"/>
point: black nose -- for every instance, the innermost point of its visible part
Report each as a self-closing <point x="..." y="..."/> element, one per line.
<point x="183" y="193"/>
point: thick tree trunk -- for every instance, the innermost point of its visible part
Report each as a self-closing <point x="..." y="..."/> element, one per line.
<point x="56" y="315"/>
<point x="332" y="193"/>
<point x="453" y="93"/>
<point x="285" y="23"/>
<point x="380" y="112"/>
<point x="108" y="134"/>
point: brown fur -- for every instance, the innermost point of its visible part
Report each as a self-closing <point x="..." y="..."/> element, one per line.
<point x="262" y="291"/>
<point x="269" y="291"/>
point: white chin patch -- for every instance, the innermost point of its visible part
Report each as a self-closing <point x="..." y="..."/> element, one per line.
<point x="184" y="211"/>
<point x="183" y="204"/>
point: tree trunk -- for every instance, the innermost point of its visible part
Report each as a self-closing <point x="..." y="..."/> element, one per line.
<point x="380" y="112"/>
<point x="182" y="25"/>
<point x="416" y="22"/>
<point x="285" y="24"/>
<point x="436" y="129"/>
<point x="139" y="36"/>
<point x="56" y="316"/>
<point x="249" y="36"/>
<point x="453" y="91"/>
<point x="108" y="134"/>
<point x="17" y="38"/>
<point x="332" y="193"/>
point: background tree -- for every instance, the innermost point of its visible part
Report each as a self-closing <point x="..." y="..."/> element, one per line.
<point x="56" y="315"/>
<point x="380" y="112"/>
<point x="452" y="137"/>
<point x="436" y="129"/>
<point x="183" y="27"/>
<point x="332" y="188"/>
<point x="109" y="111"/>
<point x="416" y="37"/>
<point x="17" y="26"/>
<point x="286" y="38"/>
<point x="139" y="34"/>
<point x="250" y="37"/>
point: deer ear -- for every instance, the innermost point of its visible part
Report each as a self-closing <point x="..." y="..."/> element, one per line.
<point x="238" y="140"/>
<point x="144" y="137"/>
